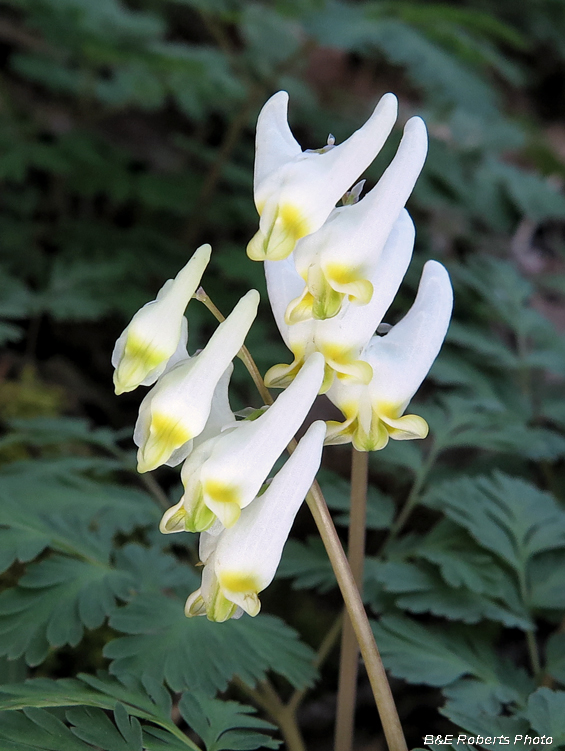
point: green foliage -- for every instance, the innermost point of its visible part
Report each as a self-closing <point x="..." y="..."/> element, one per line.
<point x="126" y="139"/>
<point x="224" y="725"/>
<point x="197" y="654"/>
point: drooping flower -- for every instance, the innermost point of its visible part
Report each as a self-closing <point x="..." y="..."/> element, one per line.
<point x="242" y="561"/>
<point x="295" y="191"/>
<point x="177" y="408"/>
<point x="338" y="262"/>
<point x="224" y="474"/>
<point x="400" y="361"/>
<point x="156" y="331"/>
<point x="342" y="338"/>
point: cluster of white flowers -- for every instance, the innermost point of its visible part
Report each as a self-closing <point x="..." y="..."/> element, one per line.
<point x="331" y="274"/>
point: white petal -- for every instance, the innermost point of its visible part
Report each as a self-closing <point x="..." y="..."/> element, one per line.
<point x="357" y="323"/>
<point x="253" y="547"/>
<point x="402" y="358"/>
<point x="343" y="164"/>
<point x="156" y="330"/>
<point x="241" y="459"/>
<point x="180" y="354"/>
<point x="283" y="285"/>
<point x="358" y="233"/>
<point x="181" y="401"/>
<point x="297" y="198"/>
<point x="274" y="144"/>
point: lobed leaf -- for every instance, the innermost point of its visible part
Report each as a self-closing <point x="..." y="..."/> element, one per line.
<point x="195" y="654"/>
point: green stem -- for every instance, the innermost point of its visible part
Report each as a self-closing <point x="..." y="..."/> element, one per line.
<point x="243" y="354"/>
<point x="328" y="643"/>
<point x="349" y="658"/>
<point x="531" y="643"/>
<point x="356" y="611"/>
<point x="346" y="582"/>
<point x="267" y="698"/>
<point x="533" y="653"/>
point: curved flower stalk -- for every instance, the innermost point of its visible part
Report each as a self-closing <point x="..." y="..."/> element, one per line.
<point x="400" y="361"/>
<point x="177" y="408"/>
<point x="295" y="191"/>
<point x="224" y="474"/>
<point x="156" y="332"/>
<point x="242" y="561"/>
<point x="338" y="261"/>
<point x="342" y="338"/>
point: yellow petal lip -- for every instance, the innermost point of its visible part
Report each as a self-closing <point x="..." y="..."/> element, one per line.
<point x="288" y="227"/>
<point x="220" y="608"/>
<point x="166" y="434"/>
<point x="138" y="360"/>
<point x="241" y="588"/>
<point x="228" y="513"/>
<point x="407" y="427"/>
<point x="195" y="605"/>
<point x="345" y="364"/>
<point x="299" y="309"/>
<point x="174" y="520"/>
<point x="280" y="376"/>
<point x="224" y="500"/>
<point x="239" y="581"/>
<point x="221" y="492"/>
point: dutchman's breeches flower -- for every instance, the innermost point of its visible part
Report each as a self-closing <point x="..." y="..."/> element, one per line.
<point x="242" y="561"/>
<point x="176" y="409"/>
<point x="338" y="262"/>
<point x="158" y="330"/>
<point x="400" y="361"/>
<point x="342" y="338"/>
<point x="223" y="475"/>
<point x="295" y="191"/>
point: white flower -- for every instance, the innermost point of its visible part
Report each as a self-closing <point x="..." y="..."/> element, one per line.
<point x="338" y="261"/>
<point x="400" y="361"/>
<point x="224" y="474"/>
<point x="177" y="408"/>
<point x="155" y="332"/>
<point x="242" y="561"/>
<point x="295" y="191"/>
<point x="340" y="339"/>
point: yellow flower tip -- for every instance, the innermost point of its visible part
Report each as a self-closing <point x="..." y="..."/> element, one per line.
<point x="288" y="227"/>
<point x="238" y="581"/>
<point x="349" y="281"/>
<point x="224" y="500"/>
<point x="219" y="609"/>
<point x="374" y="439"/>
<point x="195" y="605"/>
<point x="138" y="360"/>
<point x="144" y="466"/>
<point x="328" y="304"/>
<point x="166" y="435"/>
<point x="329" y="376"/>
<point x="299" y="309"/>
<point x="280" y="376"/>
<point x="241" y="588"/>
<point x="357" y="371"/>
<point x="338" y="433"/>
<point x="251" y="604"/>
<point x="406" y="428"/>
<point x="345" y="366"/>
<point x="360" y="292"/>
<point x="120" y="388"/>
<point x="256" y="247"/>
<point x="228" y="513"/>
<point x="174" y="520"/>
